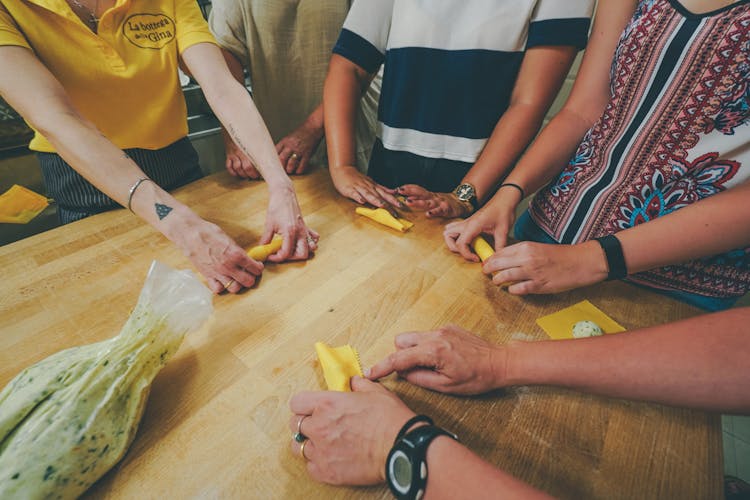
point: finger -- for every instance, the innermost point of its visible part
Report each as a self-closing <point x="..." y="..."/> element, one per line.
<point x="360" y="384"/>
<point x="301" y="249"/>
<point x="309" y="449"/>
<point x="416" y="204"/>
<point x="284" y="155"/>
<point x="312" y="241"/>
<point x="403" y="360"/>
<point x="428" y="379"/>
<point x="409" y="339"/>
<point x="387" y="195"/>
<point x="413" y="191"/>
<point x="280" y="146"/>
<point x="302" y="168"/>
<point x="297" y="422"/>
<point x="450" y="235"/>
<point x="463" y="242"/>
<point x="441" y="210"/>
<point x="245" y="277"/>
<point x="231" y="167"/>
<point x="501" y="238"/>
<point x="249" y="170"/>
<point x="229" y="284"/>
<point x="355" y="195"/>
<point x="525" y="288"/>
<point x="288" y="247"/>
<point x="372" y="198"/>
<point x="215" y="286"/>
<point x="291" y="165"/>
<point x="305" y="402"/>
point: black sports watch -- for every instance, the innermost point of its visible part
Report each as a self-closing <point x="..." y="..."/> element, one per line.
<point x="406" y="467"/>
<point x="467" y="193"/>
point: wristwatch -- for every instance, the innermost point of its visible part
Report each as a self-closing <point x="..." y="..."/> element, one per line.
<point x="406" y="466"/>
<point x="467" y="193"/>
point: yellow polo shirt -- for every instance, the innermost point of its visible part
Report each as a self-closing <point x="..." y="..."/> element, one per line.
<point x="123" y="79"/>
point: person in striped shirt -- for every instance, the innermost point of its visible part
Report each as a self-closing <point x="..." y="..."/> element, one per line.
<point x="464" y="84"/>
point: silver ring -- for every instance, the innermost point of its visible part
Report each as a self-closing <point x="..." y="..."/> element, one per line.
<point x="298" y="436"/>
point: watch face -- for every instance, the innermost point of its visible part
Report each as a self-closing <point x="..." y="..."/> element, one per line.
<point x="465" y="192"/>
<point x="399" y="469"/>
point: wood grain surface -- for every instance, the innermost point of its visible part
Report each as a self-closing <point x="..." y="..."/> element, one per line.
<point x="216" y="422"/>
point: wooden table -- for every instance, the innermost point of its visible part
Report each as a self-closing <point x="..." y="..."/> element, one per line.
<point x="216" y="422"/>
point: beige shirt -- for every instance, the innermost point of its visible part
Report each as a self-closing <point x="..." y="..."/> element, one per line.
<point x="286" y="46"/>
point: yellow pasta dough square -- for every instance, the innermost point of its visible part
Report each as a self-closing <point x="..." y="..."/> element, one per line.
<point x="559" y="325"/>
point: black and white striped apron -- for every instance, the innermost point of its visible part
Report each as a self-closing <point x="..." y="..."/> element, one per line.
<point x="170" y="167"/>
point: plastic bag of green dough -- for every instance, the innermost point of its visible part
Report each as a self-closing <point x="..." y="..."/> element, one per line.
<point x="65" y="421"/>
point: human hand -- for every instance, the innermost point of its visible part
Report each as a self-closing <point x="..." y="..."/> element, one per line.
<point x="547" y="268"/>
<point x="349" y="434"/>
<point x="496" y="218"/>
<point x="296" y="149"/>
<point x="214" y="254"/>
<point x="283" y="217"/>
<point x="449" y="360"/>
<point x="351" y="183"/>
<point x="434" y="204"/>
<point x="237" y="163"/>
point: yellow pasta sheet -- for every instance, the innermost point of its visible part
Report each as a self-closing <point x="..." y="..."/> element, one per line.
<point x="382" y="216"/>
<point x="559" y="325"/>
<point x="339" y="365"/>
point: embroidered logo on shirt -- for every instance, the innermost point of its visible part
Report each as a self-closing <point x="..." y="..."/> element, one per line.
<point x="149" y="31"/>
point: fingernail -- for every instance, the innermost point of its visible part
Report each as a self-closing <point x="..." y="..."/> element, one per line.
<point x="368" y="371"/>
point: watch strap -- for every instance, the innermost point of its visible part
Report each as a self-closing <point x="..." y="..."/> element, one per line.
<point x="414" y="445"/>
<point x="615" y="258"/>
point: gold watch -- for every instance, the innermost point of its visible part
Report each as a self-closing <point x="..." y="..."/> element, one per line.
<point x="467" y="194"/>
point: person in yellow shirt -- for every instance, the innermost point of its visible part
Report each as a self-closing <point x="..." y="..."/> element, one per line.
<point x="98" y="82"/>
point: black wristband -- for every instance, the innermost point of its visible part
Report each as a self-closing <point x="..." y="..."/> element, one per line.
<point x="409" y="423"/>
<point x="412" y="447"/>
<point x="615" y="258"/>
<point x="523" y="195"/>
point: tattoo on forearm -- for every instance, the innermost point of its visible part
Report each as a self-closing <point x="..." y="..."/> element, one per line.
<point x="162" y="210"/>
<point x="236" y="138"/>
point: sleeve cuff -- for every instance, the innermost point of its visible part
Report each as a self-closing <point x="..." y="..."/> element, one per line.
<point x="574" y="32"/>
<point x="359" y="51"/>
<point x="191" y="38"/>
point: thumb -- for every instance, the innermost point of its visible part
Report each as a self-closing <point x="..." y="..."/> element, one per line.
<point x="267" y="235"/>
<point x="359" y="384"/>
<point x="501" y="237"/>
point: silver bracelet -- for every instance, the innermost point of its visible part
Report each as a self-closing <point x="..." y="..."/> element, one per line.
<point x="132" y="190"/>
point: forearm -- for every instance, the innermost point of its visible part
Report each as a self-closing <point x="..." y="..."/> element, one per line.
<point x="698" y="363"/>
<point x="711" y="226"/>
<point x="514" y="131"/>
<point x="234" y="107"/>
<point x="42" y="101"/>
<point x="456" y="472"/>
<point x="108" y="168"/>
<point x="341" y="94"/>
<point x="550" y="152"/>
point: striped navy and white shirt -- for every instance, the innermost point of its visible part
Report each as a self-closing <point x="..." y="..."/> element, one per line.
<point x="450" y="66"/>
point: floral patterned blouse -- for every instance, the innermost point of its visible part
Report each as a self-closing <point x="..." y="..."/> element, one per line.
<point x="674" y="132"/>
